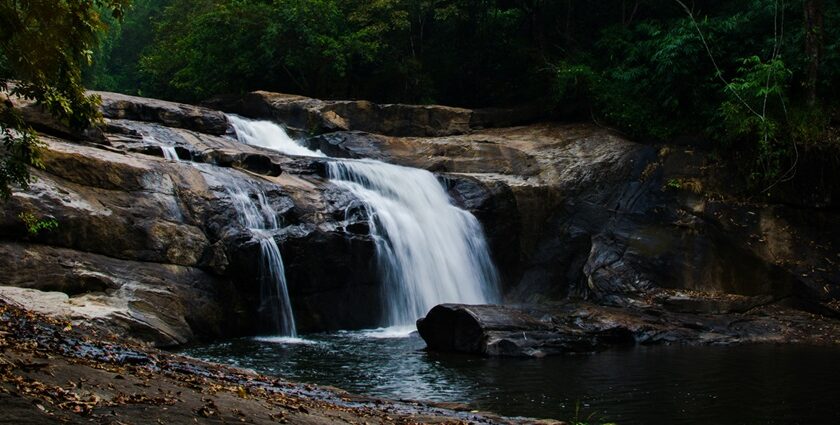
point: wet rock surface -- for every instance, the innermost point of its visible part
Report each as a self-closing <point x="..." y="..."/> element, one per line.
<point x="572" y="212"/>
<point x="156" y="247"/>
<point x="580" y="327"/>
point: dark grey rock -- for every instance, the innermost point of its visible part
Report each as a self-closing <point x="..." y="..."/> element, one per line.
<point x="203" y="120"/>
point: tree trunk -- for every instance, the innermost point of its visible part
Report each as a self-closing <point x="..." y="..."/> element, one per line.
<point x="813" y="46"/>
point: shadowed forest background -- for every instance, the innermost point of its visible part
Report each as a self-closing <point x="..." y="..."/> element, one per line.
<point x="753" y="76"/>
<point x="755" y="80"/>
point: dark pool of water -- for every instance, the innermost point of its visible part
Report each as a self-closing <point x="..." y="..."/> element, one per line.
<point x="757" y="384"/>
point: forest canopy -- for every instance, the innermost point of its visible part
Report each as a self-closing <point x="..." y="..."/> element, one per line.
<point x="760" y="75"/>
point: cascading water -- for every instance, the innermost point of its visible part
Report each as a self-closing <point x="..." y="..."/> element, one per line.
<point x="260" y="218"/>
<point x="429" y="251"/>
<point x="266" y="134"/>
<point x="170" y="153"/>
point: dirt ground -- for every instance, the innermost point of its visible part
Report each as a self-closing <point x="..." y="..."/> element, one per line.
<point x="52" y="372"/>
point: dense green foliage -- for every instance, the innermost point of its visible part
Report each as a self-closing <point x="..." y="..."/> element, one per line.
<point x="756" y="76"/>
<point x="43" y="47"/>
<point x="35" y="225"/>
<point x="387" y="50"/>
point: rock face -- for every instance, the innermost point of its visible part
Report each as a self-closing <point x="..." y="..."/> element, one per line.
<point x="155" y="247"/>
<point x="573" y="213"/>
<point x="306" y="115"/>
<point x="178" y="115"/>
<point x="160" y="303"/>
<point x="576" y="212"/>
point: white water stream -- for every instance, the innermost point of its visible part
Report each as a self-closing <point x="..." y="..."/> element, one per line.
<point x="269" y="135"/>
<point x="170" y="153"/>
<point x="260" y="218"/>
<point x="429" y="251"/>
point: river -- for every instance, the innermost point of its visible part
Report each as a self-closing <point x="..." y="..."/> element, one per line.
<point x="750" y="384"/>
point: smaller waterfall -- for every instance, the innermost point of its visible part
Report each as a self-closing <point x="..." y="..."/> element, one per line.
<point x="170" y="153"/>
<point x="266" y="134"/>
<point x="260" y="218"/>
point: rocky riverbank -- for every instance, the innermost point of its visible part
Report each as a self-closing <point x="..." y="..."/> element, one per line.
<point x="55" y="372"/>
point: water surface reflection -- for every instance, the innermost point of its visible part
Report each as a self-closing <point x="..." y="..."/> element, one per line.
<point x="675" y="385"/>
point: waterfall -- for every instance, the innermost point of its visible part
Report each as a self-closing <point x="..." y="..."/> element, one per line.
<point x="260" y="218"/>
<point x="266" y="134"/>
<point x="429" y="251"/>
<point x="170" y="153"/>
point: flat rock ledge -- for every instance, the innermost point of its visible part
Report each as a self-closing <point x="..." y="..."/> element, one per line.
<point x="170" y="114"/>
<point x="578" y="327"/>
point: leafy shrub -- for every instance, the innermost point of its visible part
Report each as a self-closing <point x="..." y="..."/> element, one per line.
<point x="35" y="225"/>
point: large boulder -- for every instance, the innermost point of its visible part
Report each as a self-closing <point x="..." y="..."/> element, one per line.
<point x="180" y="115"/>
<point x="158" y="303"/>
<point x="507" y="331"/>
<point x="573" y="327"/>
